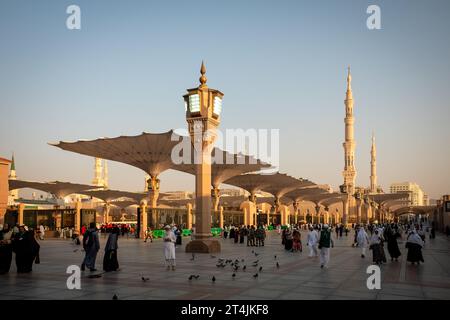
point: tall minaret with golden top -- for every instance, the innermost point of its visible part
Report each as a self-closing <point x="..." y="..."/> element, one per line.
<point x="349" y="145"/>
<point x="373" y="167"/>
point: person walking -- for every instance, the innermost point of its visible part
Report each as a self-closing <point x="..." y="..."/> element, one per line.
<point x="110" y="261"/>
<point x="178" y="235"/>
<point x="377" y="248"/>
<point x="296" y="240"/>
<point x="242" y="234"/>
<point x="41" y="232"/>
<point x="91" y="245"/>
<point x="414" y="244"/>
<point x="288" y="242"/>
<point x="226" y="230"/>
<point x="391" y="238"/>
<point x="362" y="239"/>
<point x="325" y="242"/>
<point x="311" y="242"/>
<point x="22" y="247"/>
<point x="260" y="236"/>
<point x="5" y="249"/>
<point x="148" y="234"/>
<point x="169" y="248"/>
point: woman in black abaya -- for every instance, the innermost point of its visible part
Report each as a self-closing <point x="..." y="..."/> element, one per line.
<point x="110" y="262"/>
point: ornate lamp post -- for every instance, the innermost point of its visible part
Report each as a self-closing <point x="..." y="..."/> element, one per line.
<point x="203" y="108"/>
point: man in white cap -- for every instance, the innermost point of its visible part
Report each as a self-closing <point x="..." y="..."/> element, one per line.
<point x="313" y="238"/>
<point x="325" y="243"/>
<point x="169" y="247"/>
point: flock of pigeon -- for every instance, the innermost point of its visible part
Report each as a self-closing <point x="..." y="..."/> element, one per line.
<point x="235" y="266"/>
<point x="222" y="263"/>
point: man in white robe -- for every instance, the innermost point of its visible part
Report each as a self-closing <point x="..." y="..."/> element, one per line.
<point x="363" y="240"/>
<point x="169" y="248"/>
<point x="42" y="232"/>
<point x="312" y="240"/>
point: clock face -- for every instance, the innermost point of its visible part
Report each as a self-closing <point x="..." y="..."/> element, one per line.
<point x="217" y="106"/>
<point x="194" y="103"/>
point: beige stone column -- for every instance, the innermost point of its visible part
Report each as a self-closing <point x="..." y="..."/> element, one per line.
<point x="284" y="210"/>
<point x="216" y="198"/>
<point x="21" y="212"/>
<point x="249" y="210"/>
<point x="245" y="211"/>
<point x="153" y="195"/>
<point x="106" y="213"/>
<point x="359" y="212"/>
<point x="317" y="213"/>
<point x="346" y="207"/>
<point x="189" y="216"/>
<point x="221" y="217"/>
<point x="295" y="213"/>
<point x="144" y="219"/>
<point x="77" y="216"/>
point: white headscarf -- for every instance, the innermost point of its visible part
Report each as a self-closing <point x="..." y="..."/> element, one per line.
<point x="362" y="235"/>
<point x="414" y="238"/>
<point x="376" y="239"/>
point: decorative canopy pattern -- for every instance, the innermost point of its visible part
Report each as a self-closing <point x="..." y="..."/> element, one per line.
<point x="277" y="184"/>
<point x="57" y="188"/>
<point x="414" y="210"/>
<point x="325" y="199"/>
<point x="110" y="195"/>
<point x="150" y="152"/>
<point x="123" y="204"/>
<point x="226" y="165"/>
<point x="384" y="197"/>
<point x="301" y="193"/>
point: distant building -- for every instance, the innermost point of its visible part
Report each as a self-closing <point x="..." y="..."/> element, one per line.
<point x="416" y="194"/>
<point x="426" y="200"/>
<point x="178" y="195"/>
<point x="232" y="192"/>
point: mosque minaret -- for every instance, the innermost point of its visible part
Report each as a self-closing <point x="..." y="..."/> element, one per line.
<point x="100" y="174"/>
<point x="349" y="145"/>
<point x="373" y="167"/>
<point x="13" y="194"/>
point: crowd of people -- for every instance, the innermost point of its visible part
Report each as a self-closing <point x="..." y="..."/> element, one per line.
<point x="21" y="241"/>
<point x="124" y="229"/>
<point x="374" y="237"/>
<point x="91" y="245"/>
<point x="255" y="235"/>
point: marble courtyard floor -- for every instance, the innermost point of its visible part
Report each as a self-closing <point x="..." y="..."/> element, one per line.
<point x="297" y="278"/>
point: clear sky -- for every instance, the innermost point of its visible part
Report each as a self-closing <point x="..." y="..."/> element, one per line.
<point x="281" y="65"/>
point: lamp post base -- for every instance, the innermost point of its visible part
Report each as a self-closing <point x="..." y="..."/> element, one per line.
<point x="203" y="246"/>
